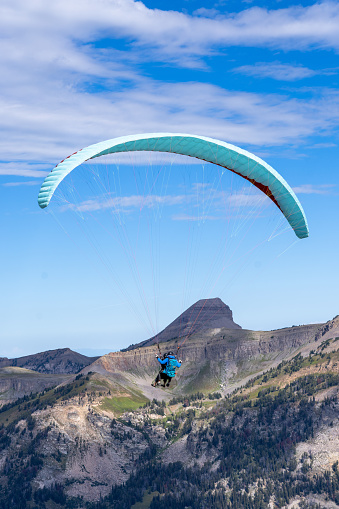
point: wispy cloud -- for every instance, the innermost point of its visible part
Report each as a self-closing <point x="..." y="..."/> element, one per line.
<point x="323" y="145"/>
<point x="26" y="183"/>
<point x="207" y="13"/>
<point x="21" y="169"/>
<point x="314" y="189"/>
<point x="276" y="71"/>
<point x="245" y="200"/>
<point x="198" y="218"/>
<point x="199" y="197"/>
<point x="126" y="203"/>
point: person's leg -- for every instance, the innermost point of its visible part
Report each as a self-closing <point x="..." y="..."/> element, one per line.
<point x="164" y="378"/>
<point x="169" y="379"/>
<point x="157" y="380"/>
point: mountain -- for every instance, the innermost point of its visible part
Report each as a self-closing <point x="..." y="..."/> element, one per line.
<point x="37" y="372"/>
<point x="62" y="360"/>
<point x="212" y="359"/>
<point x="95" y="443"/>
<point x="204" y="314"/>
<point x="252" y="420"/>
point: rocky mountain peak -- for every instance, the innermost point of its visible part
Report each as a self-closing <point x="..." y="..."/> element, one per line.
<point x="204" y="314"/>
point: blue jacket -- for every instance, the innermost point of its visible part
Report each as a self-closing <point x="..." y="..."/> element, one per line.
<point x="171" y="363"/>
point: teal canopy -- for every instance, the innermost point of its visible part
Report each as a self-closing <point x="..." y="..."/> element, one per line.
<point x="239" y="161"/>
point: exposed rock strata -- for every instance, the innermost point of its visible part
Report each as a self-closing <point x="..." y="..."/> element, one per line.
<point x="17" y="382"/>
<point x="212" y="354"/>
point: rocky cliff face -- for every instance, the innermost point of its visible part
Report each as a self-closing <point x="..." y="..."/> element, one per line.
<point x="214" y="357"/>
<point x="329" y="329"/>
<point x="18" y="382"/>
<point x="62" y="360"/>
<point x="95" y="452"/>
<point x="204" y="314"/>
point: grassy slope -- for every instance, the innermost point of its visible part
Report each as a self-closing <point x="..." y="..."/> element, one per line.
<point x="111" y="396"/>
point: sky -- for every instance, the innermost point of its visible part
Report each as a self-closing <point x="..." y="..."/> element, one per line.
<point x="261" y="75"/>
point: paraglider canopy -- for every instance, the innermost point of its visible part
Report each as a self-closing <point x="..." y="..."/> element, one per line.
<point x="223" y="154"/>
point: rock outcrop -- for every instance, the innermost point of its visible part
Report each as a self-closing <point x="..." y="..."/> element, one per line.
<point x="330" y="329"/>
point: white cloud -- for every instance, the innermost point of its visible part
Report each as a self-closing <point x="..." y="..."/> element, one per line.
<point x="68" y="24"/>
<point x="276" y="71"/>
<point x="49" y="59"/>
<point x="246" y="200"/>
<point x="172" y="31"/>
<point x="186" y="217"/>
<point x="207" y="13"/>
<point x="59" y="122"/>
<point x="323" y="145"/>
<point x="21" y="169"/>
<point x="126" y="203"/>
<point x="26" y="183"/>
<point x="215" y="200"/>
<point x="314" y="189"/>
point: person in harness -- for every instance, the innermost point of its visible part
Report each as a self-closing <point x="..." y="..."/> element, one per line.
<point x="168" y="364"/>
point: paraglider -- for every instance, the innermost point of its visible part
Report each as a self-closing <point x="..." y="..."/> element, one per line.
<point x="224" y="156"/>
<point x="235" y="159"/>
<point x="168" y="363"/>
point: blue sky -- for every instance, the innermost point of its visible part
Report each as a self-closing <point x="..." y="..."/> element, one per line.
<point x="261" y="75"/>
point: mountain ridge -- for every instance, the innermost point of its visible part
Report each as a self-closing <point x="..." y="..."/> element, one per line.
<point x="216" y="359"/>
<point x="58" y="361"/>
